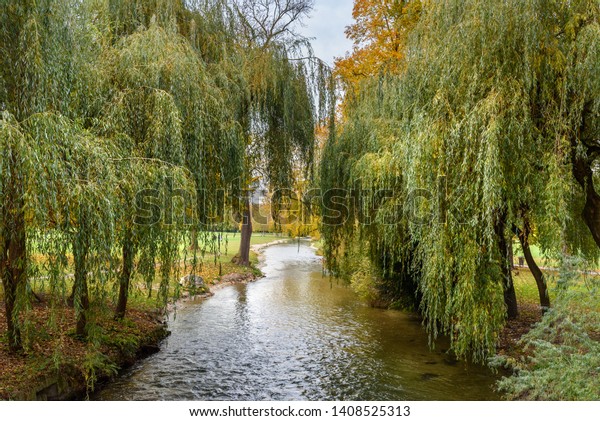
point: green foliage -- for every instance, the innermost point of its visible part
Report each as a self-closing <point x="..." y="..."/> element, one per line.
<point x="102" y="100"/>
<point x="562" y="361"/>
<point x="364" y="278"/>
<point x="126" y="343"/>
<point x="474" y="138"/>
<point x="97" y="365"/>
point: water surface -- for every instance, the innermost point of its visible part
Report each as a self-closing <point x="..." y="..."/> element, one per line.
<point x="296" y="335"/>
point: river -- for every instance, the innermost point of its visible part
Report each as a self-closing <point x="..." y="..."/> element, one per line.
<point x="297" y="335"/>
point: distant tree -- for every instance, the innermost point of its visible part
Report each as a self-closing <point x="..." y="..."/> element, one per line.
<point x="379" y="33"/>
<point x="264" y="22"/>
<point x="286" y="91"/>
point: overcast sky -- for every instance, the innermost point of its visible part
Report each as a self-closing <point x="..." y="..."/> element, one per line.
<point x="326" y="25"/>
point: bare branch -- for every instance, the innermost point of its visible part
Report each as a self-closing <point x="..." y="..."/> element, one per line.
<point x="269" y="21"/>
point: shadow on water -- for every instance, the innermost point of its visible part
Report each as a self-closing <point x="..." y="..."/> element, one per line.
<point x="296" y="335"/>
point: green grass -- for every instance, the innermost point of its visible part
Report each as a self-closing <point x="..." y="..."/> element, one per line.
<point x="230" y="245"/>
<point x="541" y="260"/>
<point x="527" y="291"/>
<point x="526" y="286"/>
<point x="559" y="358"/>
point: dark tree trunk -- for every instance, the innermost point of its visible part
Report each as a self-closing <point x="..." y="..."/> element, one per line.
<point x="13" y="280"/>
<point x="13" y="265"/>
<point x="81" y="300"/>
<point x="125" y="278"/>
<point x="510" y="294"/>
<point x="10" y="298"/>
<point x="583" y="173"/>
<point x="244" y="254"/>
<point x="540" y="279"/>
<point x="71" y="298"/>
<point x="591" y="214"/>
<point x="511" y="255"/>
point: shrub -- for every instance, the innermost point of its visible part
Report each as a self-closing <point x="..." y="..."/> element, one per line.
<point x="563" y="359"/>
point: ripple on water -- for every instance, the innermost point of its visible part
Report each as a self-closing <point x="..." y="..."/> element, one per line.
<point x="295" y="335"/>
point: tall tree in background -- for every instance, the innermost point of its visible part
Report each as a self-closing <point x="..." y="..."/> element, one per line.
<point x="283" y="89"/>
<point x="379" y="33"/>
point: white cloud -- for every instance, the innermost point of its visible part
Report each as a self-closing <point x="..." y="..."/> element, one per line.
<point x="326" y="25"/>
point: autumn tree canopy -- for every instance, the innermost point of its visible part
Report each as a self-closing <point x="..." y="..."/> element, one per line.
<point x="379" y="34"/>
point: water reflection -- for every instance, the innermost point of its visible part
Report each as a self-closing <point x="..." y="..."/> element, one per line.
<point x="296" y="335"/>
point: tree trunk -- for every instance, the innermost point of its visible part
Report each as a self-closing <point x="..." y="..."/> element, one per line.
<point x="71" y="298"/>
<point x="582" y="171"/>
<point x="125" y="278"/>
<point x="540" y="279"/>
<point x="81" y="300"/>
<point x="244" y="254"/>
<point x="511" y="255"/>
<point x="591" y="212"/>
<point x="14" y="266"/>
<point x="10" y="298"/>
<point x="195" y="244"/>
<point x="510" y="294"/>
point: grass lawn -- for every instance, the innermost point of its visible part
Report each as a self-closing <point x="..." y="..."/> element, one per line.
<point x="539" y="257"/>
<point x="230" y="245"/>
<point x="214" y="264"/>
<point x="586" y="288"/>
<point x="527" y="288"/>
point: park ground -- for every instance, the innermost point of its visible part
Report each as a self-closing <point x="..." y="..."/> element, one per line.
<point x="58" y="365"/>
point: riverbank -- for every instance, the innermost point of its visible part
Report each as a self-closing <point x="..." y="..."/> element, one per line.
<point x="58" y="366"/>
<point x="231" y="273"/>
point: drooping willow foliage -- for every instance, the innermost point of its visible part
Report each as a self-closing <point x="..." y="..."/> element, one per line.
<point x="492" y="127"/>
<point x="55" y="173"/>
<point x="127" y="130"/>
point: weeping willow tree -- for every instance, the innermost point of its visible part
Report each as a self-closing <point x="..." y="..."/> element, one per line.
<point x="67" y="191"/>
<point x="162" y="100"/>
<point x="54" y="183"/>
<point x="52" y="168"/>
<point x="246" y="106"/>
<point x="366" y="207"/>
<point x="285" y="92"/>
<point x="279" y="128"/>
<point x="488" y="130"/>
